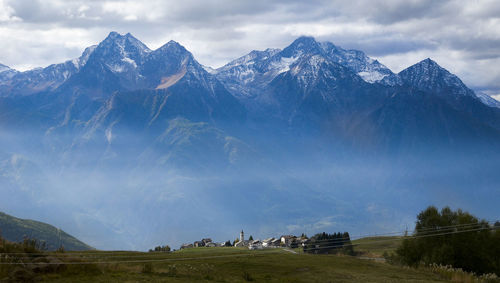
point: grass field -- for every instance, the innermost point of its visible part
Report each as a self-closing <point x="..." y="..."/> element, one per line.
<point x="221" y="265"/>
<point x="376" y="246"/>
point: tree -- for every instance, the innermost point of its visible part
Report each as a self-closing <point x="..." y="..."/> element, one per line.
<point x="453" y="238"/>
<point x="329" y="243"/>
<point x="251" y="238"/>
<point x="227" y="243"/>
<point x="161" y="249"/>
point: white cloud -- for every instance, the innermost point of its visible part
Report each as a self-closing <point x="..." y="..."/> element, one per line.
<point x="7" y="13"/>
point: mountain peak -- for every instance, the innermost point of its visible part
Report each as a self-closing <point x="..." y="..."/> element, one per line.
<point x="118" y="52"/>
<point x="173" y="48"/>
<point x="428" y="62"/>
<point x="302" y="45"/>
<point x="428" y="66"/>
<point x="114" y="36"/>
<point x="304" y="39"/>
<point x="428" y="75"/>
<point x="127" y="41"/>
<point x="173" y="44"/>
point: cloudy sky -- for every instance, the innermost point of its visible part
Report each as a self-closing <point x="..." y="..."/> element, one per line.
<point x="462" y="36"/>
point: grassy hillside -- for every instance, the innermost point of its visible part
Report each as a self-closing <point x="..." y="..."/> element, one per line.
<point x="220" y="265"/>
<point x="15" y="230"/>
<point x="376" y="246"/>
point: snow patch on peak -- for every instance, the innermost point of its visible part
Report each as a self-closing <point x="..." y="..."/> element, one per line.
<point x="309" y="67"/>
<point x="116" y="68"/>
<point x="284" y="64"/>
<point x="129" y="61"/>
<point x="372" y="76"/>
<point x="272" y="51"/>
<point x="209" y="70"/>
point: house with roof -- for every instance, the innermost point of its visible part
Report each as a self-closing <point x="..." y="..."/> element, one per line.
<point x="186" y="246"/>
<point x="210" y="245"/>
<point x="267" y="242"/>
<point x="255" y="245"/>
<point x="198" y="244"/>
<point x="286" y="240"/>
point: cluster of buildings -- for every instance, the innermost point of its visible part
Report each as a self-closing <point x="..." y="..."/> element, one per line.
<point x="290" y="241"/>
<point x="207" y="242"/>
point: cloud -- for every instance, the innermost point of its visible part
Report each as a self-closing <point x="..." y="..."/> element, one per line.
<point x="462" y="35"/>
<point x="6" y="12"/>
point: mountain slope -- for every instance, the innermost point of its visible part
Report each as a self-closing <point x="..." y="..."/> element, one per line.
<point x="15" y="230"/>
<point x="410" y="122"/>
<point x="317" y="93"/>
<point x="488" y="100"/>
<point x="130" y="123"/>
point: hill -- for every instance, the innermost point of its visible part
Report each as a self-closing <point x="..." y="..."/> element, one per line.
<point x="376" y="246"/>
<point x="15" y="230"/>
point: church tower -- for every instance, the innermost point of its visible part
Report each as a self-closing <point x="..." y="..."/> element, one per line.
<point x="242" y="236"/>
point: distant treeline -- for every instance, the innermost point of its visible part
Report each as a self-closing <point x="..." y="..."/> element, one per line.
<point x="324" y="243"/>
<point x="160" y="249"/>
<point x="452" y="238"/>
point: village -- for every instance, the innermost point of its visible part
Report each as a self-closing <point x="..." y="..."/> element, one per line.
<point x="288" y="241"/>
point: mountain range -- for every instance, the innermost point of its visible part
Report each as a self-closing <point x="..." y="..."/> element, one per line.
<point x="123" y="122"/>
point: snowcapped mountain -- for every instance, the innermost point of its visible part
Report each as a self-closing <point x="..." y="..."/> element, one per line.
<point x="308" y="84"/>
<point x="123" y="63"/>
<point x="125" y="87"/>
<point x="112" y="65"/>
<point x="248" y="75"/>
